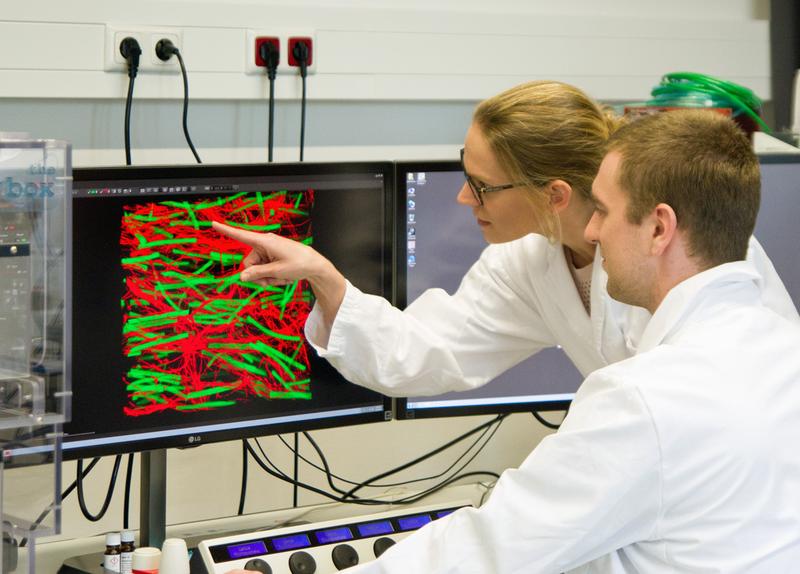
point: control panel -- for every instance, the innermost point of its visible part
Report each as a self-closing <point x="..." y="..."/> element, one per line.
<point x="15" y="295"/>
<point x="320" y="548"/>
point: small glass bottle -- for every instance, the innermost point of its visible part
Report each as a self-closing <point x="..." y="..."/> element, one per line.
<point x="112" y="554"/>
<point x="126" y="552"/>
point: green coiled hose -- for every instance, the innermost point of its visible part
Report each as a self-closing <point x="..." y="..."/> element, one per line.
<point x="682" y="88"/>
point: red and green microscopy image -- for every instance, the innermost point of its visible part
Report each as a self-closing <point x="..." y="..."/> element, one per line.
<point x="198" y="337"/>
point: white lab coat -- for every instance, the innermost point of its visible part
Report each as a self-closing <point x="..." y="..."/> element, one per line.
<point x="683" y="458"/>
<point x="516" y="300"/>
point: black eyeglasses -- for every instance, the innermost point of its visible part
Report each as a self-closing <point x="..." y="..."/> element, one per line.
<point x="479" y="190"/>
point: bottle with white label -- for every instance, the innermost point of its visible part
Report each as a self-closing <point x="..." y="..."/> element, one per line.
<point x="126" y="552"/>
<point x="111" y="557"/>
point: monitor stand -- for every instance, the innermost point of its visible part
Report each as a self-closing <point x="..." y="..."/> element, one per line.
<point x="153" y="498"/>
<point x="152" y="514"/>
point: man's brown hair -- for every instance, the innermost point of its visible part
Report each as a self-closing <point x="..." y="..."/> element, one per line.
<point x="703" y="166"/>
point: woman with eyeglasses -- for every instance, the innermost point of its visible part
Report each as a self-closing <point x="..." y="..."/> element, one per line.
<point x="529" y="157"/>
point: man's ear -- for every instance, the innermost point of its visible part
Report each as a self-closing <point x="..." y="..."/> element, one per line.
<point x="560" y="194"/>
<point x="664" y="226"/>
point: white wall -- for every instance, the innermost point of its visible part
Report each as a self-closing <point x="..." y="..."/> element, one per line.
<point x="389" y="61"/>
<point x="390" y="50"/>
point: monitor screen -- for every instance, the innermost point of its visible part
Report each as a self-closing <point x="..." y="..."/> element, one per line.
<point x="776" y="226"/>
<point x="169" y="346"/>
<point x="438" y="241"/>
<point x="434" y="258"/>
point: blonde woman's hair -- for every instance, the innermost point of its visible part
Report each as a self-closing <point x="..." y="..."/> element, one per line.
<point x="543" y="131"/>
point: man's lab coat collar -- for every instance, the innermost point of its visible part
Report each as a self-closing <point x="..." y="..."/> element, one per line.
<point x="683" y="298"/>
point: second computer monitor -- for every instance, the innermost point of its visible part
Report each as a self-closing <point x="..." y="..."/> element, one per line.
<point x="438" y="240"/>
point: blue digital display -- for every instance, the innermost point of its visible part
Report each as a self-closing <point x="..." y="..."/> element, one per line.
<point x="291" y="542"/>
<point x="443" y="513"/>
<point x="246" y="550"/>
<point x="375" y="528"/>
<point x="413" y="522"/>
<point x="334" y="535"/>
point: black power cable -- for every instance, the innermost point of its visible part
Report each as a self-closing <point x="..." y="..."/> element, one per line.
<point x="545" y="422"/>
<point x="330" y="475"/>
<point x="243" y="490"/>
<point x="270" y="54"/>
<point x="277" y="473"/>
<point x="111" y="484"/>
<point x="350" y="498"/>
<point x="126" y="512"/>
<point x="302" y="53"/>
<point x="417" y="460"/>
<point x="131" y="51"/>
<point x="165" y="49"/>
<point x="296" y="490"/>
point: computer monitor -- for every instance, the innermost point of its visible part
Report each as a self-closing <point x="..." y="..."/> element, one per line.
<point x="445" y="243"/>
<point x="438" y="241"/>
<point x="776" y="226"/>
<point x="169" y="346"/>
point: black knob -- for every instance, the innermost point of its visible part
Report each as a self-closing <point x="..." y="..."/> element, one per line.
<point x="302" y="563"/>
<point x="344" y="556"/>
<point x="381" y="545"/>
<point x="258" y="565"/>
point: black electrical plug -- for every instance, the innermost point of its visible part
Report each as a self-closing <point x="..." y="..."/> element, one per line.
<point x="131" y="51"/>
<point x="165" y="49"/>
<point x="271" y="55"/>
<point x="301" y="53"/>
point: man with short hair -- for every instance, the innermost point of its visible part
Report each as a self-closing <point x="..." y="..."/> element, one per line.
<point x="684" y="457"/>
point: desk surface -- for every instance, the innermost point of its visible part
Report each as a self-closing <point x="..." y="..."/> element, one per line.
<point x="50" y="556"/>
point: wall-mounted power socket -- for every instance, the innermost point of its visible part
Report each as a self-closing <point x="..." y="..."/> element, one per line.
<point x="283" y="34"/>
<point x="147" y="38"/>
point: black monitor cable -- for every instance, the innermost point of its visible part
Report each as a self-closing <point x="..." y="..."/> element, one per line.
<point x="126" y="511"/>
<point x="271" y="469"/>
<point x="109" y="493"/>
<point x="165" y="49"/>
<point x="330" y="475"/>
<point x="301" y="54"/>
<point x="548" y="424"/>
<point x="131" y="51"/>
<point x="270" y="54"/>
<point x="296" y="477"/>
<point x="434" y="452"/>
<point x="545" y="422"/>
<point x="458" y="474"/>
<point x="349" y="496"/>
<point x="243" y="489"/>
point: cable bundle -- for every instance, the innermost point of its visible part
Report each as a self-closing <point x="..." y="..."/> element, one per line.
<point x="690" y="89"/>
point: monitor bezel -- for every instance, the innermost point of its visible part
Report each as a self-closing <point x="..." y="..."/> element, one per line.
<point x="402" y="411"/>
<point x="192" y="439"/>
